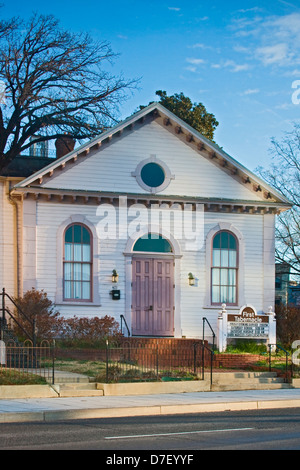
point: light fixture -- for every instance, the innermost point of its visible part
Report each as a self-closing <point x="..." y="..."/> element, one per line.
<point x="191" y="279"/>
<point x="114" y="276"/>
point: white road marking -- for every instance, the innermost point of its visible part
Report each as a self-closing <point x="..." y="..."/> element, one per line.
<point x="177" y="433"/>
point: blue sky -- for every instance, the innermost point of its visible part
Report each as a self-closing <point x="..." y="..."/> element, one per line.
<point x="239" y="58"/>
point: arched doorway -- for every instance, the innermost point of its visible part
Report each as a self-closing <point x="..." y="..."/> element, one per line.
<point x="152" y="286"/>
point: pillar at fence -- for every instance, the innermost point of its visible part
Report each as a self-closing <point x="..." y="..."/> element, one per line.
<point x="272" y="327"/>
<point x="2" y="353"/>
<point x="222" y="329"/>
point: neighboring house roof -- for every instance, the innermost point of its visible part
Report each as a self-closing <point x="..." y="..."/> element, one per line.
<point x="25" y="166"/>
<point x="186" y="133"/>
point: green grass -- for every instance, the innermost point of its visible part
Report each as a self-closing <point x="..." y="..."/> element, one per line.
<point x="14" y="377"/>
<point x="247" y="347"/>
<point x="118" y="372"/>
<point x="85" y="367"/>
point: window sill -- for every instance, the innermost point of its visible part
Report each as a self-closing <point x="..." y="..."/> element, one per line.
<point x="219" y="307"/>
<point x="81" y="304"/>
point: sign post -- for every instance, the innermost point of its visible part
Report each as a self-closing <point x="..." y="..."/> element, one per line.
<point x="245" y="325"/>
<point x="2" y="353"/>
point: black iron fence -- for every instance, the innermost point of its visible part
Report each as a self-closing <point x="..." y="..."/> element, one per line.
<point x="145" y="363"/>
<point x="27" y="363"/>
<point x="112" y="364"/>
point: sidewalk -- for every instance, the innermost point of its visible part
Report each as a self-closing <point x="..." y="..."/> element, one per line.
<point x="52" y="409"/>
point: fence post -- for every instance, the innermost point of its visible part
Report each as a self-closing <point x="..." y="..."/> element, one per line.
<point x="34" y="332"/>
<point x="3" y="314"/>
<point x="53" y="362"/>
<point x="203" y="359"/>
<point x="156" y="360"/>
<point x="106" y="361"/>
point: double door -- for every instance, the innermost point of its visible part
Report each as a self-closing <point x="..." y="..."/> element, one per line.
<point x="153" y="297"/>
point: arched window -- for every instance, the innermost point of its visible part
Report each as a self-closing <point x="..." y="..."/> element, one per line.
<point x="77" y="262"/>
<point x="153" y="243"/>
<point x="224" y="273"/>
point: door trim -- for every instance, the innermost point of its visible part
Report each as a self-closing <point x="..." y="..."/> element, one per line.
<point x="156" y="313"/>
<point x="177" y="255"/>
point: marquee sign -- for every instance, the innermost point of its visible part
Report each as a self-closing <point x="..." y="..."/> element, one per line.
<point x="247" y="324"/>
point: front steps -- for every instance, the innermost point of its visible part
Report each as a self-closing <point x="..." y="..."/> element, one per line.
<point x="78" y="390"/>
<point x="69" y="384"/>
<point x="229" y="381"/>
<point x="222" y="381"/>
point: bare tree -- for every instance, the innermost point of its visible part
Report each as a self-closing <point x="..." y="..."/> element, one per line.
<point x="55" y="84"/>
<point x="284" y="175"/>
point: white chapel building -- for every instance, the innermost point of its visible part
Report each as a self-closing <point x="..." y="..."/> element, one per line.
<point x="149" y="221"/>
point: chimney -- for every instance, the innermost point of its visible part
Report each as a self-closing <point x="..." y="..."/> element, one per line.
<point x="64" y="145"/>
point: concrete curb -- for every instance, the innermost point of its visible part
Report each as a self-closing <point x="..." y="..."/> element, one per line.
<point x="156" y="410"/>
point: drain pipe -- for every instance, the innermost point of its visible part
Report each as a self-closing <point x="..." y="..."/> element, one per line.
<point x="17" y="237"/>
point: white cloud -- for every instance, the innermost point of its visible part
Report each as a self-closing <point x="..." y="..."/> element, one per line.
<point x="199" y="45"/>
<point x="174" y="8"/>
<point x="191" y="69"/>
<point x="287" y="26"/>
<point x="277" y="54"/>
<point x="195" y="61"/>
<point x="293" y="73"/>
<point x="204" y="47"/>
<point x="277" y="38"/>
<point x="232" y="65"/>
<point x="240" y="68"/>
<point x="250" y="92"/>
<point x="249" y="10"/>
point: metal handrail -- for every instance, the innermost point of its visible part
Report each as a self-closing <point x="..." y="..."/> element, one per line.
<point x="211" y="361"/>
<point x="286" y="358"/>
<point x="204" y="319"/>
<point x="31" y="336"/>
<point x="125" y="322"/>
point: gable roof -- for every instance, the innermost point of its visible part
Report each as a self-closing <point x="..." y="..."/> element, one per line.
<point x="182" y="130"/>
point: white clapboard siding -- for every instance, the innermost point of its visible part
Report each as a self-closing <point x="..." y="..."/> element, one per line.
<point x="111" y="256"/>
<point x="251" y="226"/>
<point x="110" y="168"/>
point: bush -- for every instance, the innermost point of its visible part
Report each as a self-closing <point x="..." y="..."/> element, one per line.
<point x="287" y="324"/>
<point x="88" y="332"/>
<point x="71" y="332"/>
<point x="36" y="305"/>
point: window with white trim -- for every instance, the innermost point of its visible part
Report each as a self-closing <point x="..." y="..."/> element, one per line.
<point x="224" y="271"/>
<point x="77" y="263"/>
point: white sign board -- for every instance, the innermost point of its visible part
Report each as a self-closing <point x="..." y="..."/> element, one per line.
<point x="245" y="324"/>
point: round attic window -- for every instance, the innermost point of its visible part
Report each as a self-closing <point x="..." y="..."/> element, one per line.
<point x="153" y="175"/>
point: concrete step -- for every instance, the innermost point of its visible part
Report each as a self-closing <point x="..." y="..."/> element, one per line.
<point x="226" y="381"/>
<point x="262" y="380"/>
<point x="249" y="386"/>
<point x="243" y="375"/>
<point x="77" y="389"/>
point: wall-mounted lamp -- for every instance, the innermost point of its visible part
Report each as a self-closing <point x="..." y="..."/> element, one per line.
<point x="191" y="279"/>
<point x="114" y="276"/>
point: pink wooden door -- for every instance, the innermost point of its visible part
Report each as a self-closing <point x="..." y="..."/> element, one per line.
<point x="152" y="297"/>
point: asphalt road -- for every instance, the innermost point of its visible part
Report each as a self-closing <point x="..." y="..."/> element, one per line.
<point x="164" y="437"/>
